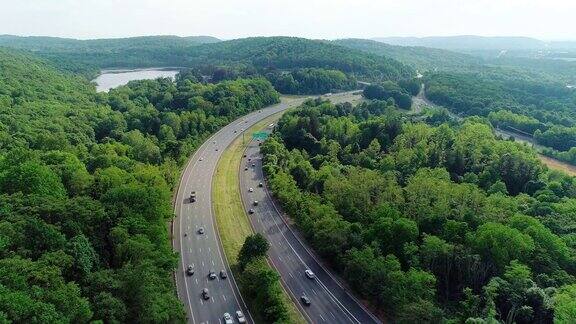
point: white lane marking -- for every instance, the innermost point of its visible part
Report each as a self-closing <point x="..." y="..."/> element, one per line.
<point x="290" y="274"/>
<point x="199" y="249"/>
<point x="199" y="154"/>
<point x="209" y="249"/>
<point x="322" y="317"/>
<point x="196" y="280"/>
<point x="202" y="263"/>
<point x="282" y="233"/>
<point x="213" y="262"/>
<point x="224" y="297"/>
<point x="342" y="307"/>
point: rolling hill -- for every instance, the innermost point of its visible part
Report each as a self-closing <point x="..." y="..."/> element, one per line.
<point x="421" y="58"/>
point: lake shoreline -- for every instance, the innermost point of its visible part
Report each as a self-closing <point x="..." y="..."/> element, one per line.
<point x="112" y="78"/>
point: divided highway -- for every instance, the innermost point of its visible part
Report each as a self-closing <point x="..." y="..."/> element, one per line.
<point x="203" y="253"/>
<point x="329" y="301"/>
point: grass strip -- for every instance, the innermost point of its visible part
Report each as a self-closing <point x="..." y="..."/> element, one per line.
<point x="231" y="219"/>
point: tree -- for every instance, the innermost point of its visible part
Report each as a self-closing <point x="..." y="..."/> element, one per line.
<point x="255" y="246"/>
<point x="565" y="305"/>
<point x="500" y="244"/>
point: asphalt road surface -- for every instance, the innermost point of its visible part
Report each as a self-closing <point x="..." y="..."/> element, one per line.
<point x="203" y="251"/>
<point x="330" y="302"/>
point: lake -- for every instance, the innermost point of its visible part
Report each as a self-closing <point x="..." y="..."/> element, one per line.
<point x="114" y="78"/>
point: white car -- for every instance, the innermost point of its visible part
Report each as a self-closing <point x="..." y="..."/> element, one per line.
<point x="310" y="274"/>
<point x="251" y="190"/>
<point x="228" y="318"/>
<point x="240" y="316"/>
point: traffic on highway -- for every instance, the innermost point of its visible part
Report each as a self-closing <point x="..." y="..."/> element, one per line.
<point x="204" y="281"/>
<point x="320" y="296"/>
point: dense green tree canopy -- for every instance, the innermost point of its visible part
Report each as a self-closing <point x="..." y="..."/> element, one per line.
<point x="85" y="189"/>
<point x="428" y="222"/>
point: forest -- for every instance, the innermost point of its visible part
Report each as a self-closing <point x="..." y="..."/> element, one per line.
<point x="86" y="181"/>
<point x="256" y="55"/>
<point x="513" y="100"/>
<point x="429" y="223"/>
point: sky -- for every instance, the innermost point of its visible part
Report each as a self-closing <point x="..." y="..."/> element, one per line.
<point x="326" y="19"/>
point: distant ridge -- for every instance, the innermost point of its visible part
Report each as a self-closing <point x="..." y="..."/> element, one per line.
<point x="467" y="42"/>
<point x="39" y="43"/>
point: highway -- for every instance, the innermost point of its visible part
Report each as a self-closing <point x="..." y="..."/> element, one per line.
<point x="330" y="302"/>
<point x="203" y="252"/>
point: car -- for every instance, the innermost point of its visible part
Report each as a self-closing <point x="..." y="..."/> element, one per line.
<point x="201" y="159"/>
<point x="223" y="274"/>
<point x="192" y="199"/>
<point x="240" y="316"/>
<point x="244" y="155"/>
<point x="212" y="275"/>
<point x="259" y="144"/>
<point x="251" y="211"/>
<point x="193" y="194"/>
<point x="255" y="202"/>
<point x="246" y="169"/>
<point x="190" y="270"/>
<point x="205" y="294"/>
<point x="216" y="149"/>
<point x="228" y="319"/>
<point x="253" y="165"/>
<point x="310" y="274"/>
<point x="250" y="190"/>
<point x="201" y="230"/>
<point x="260" y="185"/>
<point x="214" y="142"/>
<point x="235" y="131"/>
<point x="249" y="159"/>
<point x="305" y="300"/>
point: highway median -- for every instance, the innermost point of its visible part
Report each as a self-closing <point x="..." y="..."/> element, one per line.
<point x="231" y="218"/>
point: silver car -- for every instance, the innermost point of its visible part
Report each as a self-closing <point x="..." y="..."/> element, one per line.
<point x="228" y="318"/>
<point x="240" y="316"/>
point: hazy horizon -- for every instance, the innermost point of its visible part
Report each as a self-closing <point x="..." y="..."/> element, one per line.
<point x="321" y="19"/>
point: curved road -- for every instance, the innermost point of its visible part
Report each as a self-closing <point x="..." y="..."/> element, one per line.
<point x="330" y="302"/>
<point x="203" y="251"/>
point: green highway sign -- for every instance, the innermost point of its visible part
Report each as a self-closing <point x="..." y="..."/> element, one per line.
<point x="260" y="135"/>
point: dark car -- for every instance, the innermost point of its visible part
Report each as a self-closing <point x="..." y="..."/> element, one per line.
<point x="246" y="169"/>
<point x="305" y="300"/>
<point x="255" y="202"/>
<point x="223" y="274"/>
<point x="251" y="211"/>
<point x="244" y="155"/>
<point x="212" y="275"/>
<point x="201" y="230"/>
<point x="190" y="270"/>
<point x="205" y="294"/>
